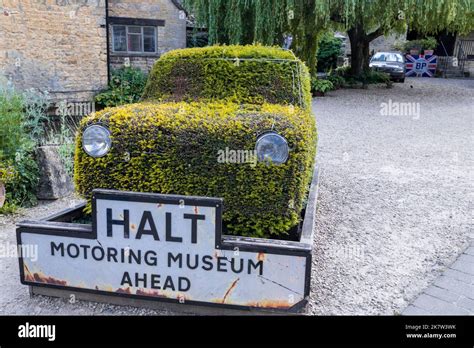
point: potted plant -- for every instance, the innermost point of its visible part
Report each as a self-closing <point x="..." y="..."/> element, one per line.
<point x="425" y="46"/>
<point x="429" y="44"/>
<point x="7" y="173"/>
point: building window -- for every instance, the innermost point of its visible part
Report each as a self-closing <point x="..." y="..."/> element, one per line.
<point x="133" y="39"/>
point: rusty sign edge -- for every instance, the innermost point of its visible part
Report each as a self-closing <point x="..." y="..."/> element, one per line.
<point x="82" y="231"/>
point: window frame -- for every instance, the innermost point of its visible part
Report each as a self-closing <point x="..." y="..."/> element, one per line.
<point x="142" y="36"/>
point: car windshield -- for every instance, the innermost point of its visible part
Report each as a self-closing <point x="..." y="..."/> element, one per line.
<point x="387" y="57"/>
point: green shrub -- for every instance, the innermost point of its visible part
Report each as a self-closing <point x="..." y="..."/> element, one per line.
<point x="66" y="153"/>
<point x="372" y="77"/>
<point x="343" y="77"/>
<point x="7" y="175"/>
<point x="125" y="87"/>
<point x="173" y="148"/>
<point x="35" y="110"/>
<point x="242" y="74"/>
<point x="7" y="172"/>
<point x="429" y="43"/>
<point x="321" y="86"/>
<point x="337" y="81"/>
<point x="63" y="135"/>
<point x="329" y="48"/>
<point x="341" y="71"/>
<point x="12" y="131"/>
<point x="18" y="131"/>
<point x="22" y="190"/>
<point x="21" y="187"/>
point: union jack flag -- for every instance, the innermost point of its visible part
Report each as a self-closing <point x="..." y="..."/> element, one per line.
<point x="420" y="65"/>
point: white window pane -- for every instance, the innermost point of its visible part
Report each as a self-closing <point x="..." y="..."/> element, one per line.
<point x="149" y="43"/>
<point x="135" y="43"/>
<point x="149" y="31"/>
<point x="120" y="39"/>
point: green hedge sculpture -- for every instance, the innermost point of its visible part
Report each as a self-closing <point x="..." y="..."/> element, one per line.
<point x="242" y="74"/>
<point x="170" y="142"/>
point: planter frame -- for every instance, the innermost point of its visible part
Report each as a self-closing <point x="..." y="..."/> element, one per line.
<point x="61" y="221"/>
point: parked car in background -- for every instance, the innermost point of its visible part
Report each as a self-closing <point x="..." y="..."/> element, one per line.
<point x="392" y="63"/>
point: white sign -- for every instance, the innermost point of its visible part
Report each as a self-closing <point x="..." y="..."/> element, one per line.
<point x="164" y="247"/>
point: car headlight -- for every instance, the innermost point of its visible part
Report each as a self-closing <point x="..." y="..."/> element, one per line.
<point x="272" y="147"/>
<point x="96" y="141"/>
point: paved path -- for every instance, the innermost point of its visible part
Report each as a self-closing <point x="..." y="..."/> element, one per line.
<point x="452" y="293"/>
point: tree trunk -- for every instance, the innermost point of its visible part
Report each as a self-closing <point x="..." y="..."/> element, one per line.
<point x="311" y="54"/>
<point x="360" y="44"/>
<point x="306" y="48"/>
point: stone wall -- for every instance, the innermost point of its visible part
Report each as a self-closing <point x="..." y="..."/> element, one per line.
<point x="54" y="45"/>
<point x="170" y="36"/>
<point x="60" y="46"/>
<point x="386" y="43"/>
<point x="380" y="44"/>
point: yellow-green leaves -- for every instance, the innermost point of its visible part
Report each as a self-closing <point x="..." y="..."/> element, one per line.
<point x="263" y="74"/>
<point x="174" y="148"/>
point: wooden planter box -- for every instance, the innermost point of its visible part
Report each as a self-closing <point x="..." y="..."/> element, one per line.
<point x="275" y="276"/>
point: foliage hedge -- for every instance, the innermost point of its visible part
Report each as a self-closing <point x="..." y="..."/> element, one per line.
<point x="329" y="48"/>
<point x="125" y="87"/>
<point x="321" y="86"/>
<point x="341" y="77"/>
<point x="201" y="100"/>
<point x="21" y="114"/>
<point x="173" y="148"/>
<point x="244" y="74"/>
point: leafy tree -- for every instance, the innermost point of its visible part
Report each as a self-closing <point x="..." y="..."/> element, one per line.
<point x="329" y="49"/>
<point x="262" y="21"/>
<point x="266" y="21"/>
<point x="366" y="20"/>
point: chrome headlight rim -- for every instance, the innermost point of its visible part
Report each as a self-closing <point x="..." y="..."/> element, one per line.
<point x="280" y="137"/>
<point x="108" y="140"/>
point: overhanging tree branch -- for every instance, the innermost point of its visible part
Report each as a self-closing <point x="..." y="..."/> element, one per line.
<point x="375" y="34"/>
<point x="245" y="21"/>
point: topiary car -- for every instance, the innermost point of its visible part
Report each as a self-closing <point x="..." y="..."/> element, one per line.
<point x="233" y="122"/>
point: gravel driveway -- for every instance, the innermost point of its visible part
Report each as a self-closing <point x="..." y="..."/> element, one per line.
<point x="393" y="206"/>
<point x="396" y="194"/>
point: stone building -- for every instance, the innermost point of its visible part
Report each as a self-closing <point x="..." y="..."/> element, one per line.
<point x="68" y="47"/>
<point x="380" y="44"/>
